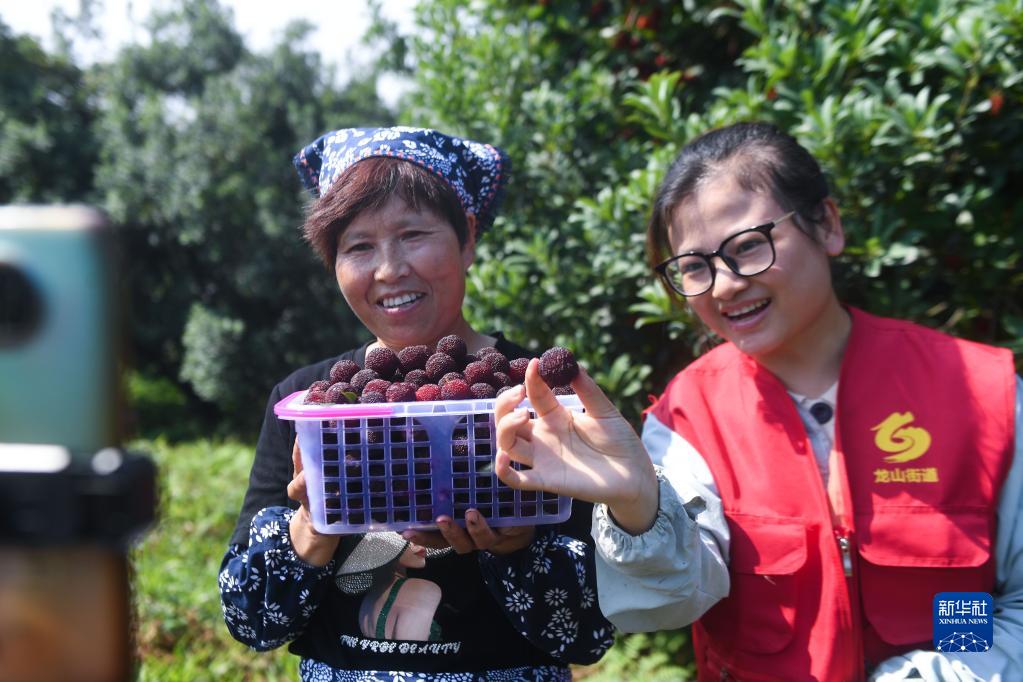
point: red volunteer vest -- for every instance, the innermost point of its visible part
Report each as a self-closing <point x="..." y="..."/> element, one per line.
<point x="924" y="440"/>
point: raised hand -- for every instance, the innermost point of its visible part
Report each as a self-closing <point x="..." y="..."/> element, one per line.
<point x="594" y="456"/>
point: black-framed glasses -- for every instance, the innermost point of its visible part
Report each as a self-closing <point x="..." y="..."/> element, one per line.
<point x="746" y="253"/>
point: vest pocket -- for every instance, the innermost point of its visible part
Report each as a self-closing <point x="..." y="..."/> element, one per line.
<point x="909" y="555"/>
<point x="765" y="556"/>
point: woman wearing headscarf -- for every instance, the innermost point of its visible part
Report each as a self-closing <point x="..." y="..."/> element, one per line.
<point x="397" y="219"/>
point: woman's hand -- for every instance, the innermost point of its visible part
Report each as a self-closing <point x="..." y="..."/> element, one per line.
<point x="310" y="545"/>
<point x="477" y="535"/>
<point x="594" y="456"/>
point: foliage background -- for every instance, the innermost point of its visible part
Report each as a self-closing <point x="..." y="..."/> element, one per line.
<point x="912" y="109"/>
<point x="912" y="106"/>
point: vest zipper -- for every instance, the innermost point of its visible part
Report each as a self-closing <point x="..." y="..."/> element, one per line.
<point x="844" y="549"/>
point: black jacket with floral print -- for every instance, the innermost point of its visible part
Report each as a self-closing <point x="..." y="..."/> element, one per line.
<point x="533" y="609"/>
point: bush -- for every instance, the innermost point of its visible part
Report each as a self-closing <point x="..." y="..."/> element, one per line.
<point x="912" y="108"/>
<point x="652" y="657"/>
<point x="196" y="138"/>
<point x="159" y="408"/>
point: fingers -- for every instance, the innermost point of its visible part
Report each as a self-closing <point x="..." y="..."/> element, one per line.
<point x="483" y="536"/>
<point x="456" y="536"/>
<point x="449" y="534"/>
<point x="593" y="399"/>
<point x="476" y="536"/>
<point x="514" y="436"/>
<point x="508" y="401"/>
<point x="513" y="428"/>
<point x="297" y="490"/>
<point x="516" y="478"/>
<point x="499" y="541"/>
<point x="540" y="395"/>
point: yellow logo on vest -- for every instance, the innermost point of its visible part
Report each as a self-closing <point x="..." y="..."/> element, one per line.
<point x="905" y="442"/>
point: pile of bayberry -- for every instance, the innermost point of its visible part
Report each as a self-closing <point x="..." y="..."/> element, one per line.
<point x="448" y="372"/>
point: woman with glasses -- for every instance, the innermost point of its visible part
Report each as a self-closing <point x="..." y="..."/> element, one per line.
<point x="808" y="491"/>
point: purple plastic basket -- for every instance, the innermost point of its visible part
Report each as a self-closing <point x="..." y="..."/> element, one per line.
<point x="393" y="466"/>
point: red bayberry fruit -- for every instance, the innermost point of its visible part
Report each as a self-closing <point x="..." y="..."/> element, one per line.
<point x="997" y="100"/>
<point x="558" y="366"/>
<point x="372" y="397"/>
<point x="401" y="392"/>
<point x="482" y="391"/>
<point x="428" y="392"/>
<point x="376" y="386"/>
<point x="383" y="361"/>
<point x="501" y="380"/>
<point x="361" y="378"/>
<point x="413" y="357"/>
<point x="563" y="390"/>
<point x="476" y="372"/>
<point x="417" y="378"/>
<point x="319" y="386"/>
<point x="517" y="369"/>
<point x="448" y="377"/>
<point x="336" y="393"/>
<point x="503" y="389"/>
<point x="497" y="362"/>
<point x="439" y="364"/>
<point x="452" y="346"/>
<point x="315" y="397"/>
<point x="343" y="370"/>
<point x="456" y="389"/>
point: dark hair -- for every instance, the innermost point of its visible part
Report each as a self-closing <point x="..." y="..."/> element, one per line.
<point x="367" y="186"/>
<point x="760" y="157"/>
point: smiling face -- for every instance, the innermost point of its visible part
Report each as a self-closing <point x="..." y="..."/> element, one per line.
<point x="403" y="274"/>
<point x="783" y="311"/>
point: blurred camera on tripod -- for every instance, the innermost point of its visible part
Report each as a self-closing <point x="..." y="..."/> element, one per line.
<point x="71" y="500"/>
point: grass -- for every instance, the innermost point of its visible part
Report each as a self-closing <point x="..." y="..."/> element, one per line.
<point x="181" y="634"/>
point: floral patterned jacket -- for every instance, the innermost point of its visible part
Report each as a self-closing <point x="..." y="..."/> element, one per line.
<point x="536" y="613"/>
<point x="526" y="615"/>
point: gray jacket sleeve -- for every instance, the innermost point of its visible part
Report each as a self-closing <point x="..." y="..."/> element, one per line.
<point x="1005" y="659"/>
<point x="670" y="575"/>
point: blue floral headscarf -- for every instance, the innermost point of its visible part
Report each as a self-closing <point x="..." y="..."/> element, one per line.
<point x="477" y="172"/>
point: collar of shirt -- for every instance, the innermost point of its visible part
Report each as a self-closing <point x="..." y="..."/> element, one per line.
<point x="821" y="434"/>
